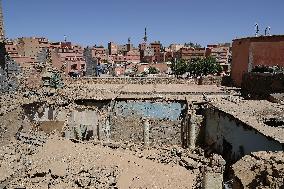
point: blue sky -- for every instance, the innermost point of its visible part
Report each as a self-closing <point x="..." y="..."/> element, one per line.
<point x="90" y="22"/>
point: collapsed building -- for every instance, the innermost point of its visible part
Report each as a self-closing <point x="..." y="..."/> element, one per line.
<point x="135" y="132"/>
<point x="200" y="131"/>
<point x="9" y="75"/>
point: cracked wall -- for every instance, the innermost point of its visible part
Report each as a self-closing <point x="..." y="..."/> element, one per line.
<point x="113" y="120"/>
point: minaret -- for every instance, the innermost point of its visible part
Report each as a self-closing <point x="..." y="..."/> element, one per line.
<point x="2" y="32"/>
<point x="145" y="37"/>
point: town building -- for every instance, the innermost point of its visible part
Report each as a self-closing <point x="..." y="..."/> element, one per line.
<point x="188" y="53"/>
<point x="175" y="47"/>
<point x="156" y="46"/>
<point x="221" y="53"/>
<point x="133" y="56"/>
<point x="31" y="46"/>
<point x="100" y="53"/>
<point x="72" y="58"/>
<point x="11" y="48"/>
<point x="112" y="48"/>
<point x="252" y="51"/>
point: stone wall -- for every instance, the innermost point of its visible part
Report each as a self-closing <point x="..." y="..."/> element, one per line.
<point x="261" y="85"/>
<point x="131" y="80"/>
<point x="209" y="80"/>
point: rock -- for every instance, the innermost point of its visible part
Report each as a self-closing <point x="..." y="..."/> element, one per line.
<point x="188" y="163"/>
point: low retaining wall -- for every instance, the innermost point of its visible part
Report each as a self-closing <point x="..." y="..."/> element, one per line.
<point x="131" y="80"/>
<point x="210" y="80"/>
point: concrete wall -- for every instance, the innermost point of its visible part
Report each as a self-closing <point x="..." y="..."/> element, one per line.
<point x="243" y="140"/>
<point x="240" y="59"/>
<point x="268" y="53"/>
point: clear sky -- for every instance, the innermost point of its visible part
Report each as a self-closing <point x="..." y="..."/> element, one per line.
<point x="90" y="22"/>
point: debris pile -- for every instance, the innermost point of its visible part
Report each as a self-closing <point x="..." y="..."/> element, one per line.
<point x="262" y="170"/>
<point x="60" y="163"/>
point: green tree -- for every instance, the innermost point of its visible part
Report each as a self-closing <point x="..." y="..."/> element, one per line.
<point x="204" y="66"/>
<point x="153" y="70"/>
<point x="193" y="45"/>
<point x="179" y="67"/>
<point x="135" y="69"/>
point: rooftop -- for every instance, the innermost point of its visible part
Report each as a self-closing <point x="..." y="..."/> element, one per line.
<point x="257" y="114"/>
<point x="262" y="38"/>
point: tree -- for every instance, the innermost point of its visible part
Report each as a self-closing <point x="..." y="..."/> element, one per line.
<point x="204" y="66"/>
<point x="193" y="45"/>
<point x="153" y="70"/>
<point x="179" y="67"/>
<point x="135" y="69"/>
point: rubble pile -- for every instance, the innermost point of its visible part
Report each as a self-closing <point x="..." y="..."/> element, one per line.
<point x="196" y="161"/>
<point x="60" y="163"/>
<point x="263" y="170"/>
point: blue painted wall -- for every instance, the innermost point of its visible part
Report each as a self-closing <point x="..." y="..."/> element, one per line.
<point x="153" y="110"/>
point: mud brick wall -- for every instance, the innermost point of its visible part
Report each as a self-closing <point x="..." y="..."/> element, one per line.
<point x="165" y="122"/>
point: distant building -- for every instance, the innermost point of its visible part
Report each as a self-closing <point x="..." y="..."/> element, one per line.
<point x="175" y="47"/>
<point x="142" y="46"/>
<point x="221" y="53"/>
<point x="72" y="58"/>
<point x="100" y="53"/>
<point x="252" y="51"/>
<point x="133" y="56"/>
<point x="188" y="53"/>
<point x="119" y="59"/>
<point x="11" y="48"/>
<point x="31" y="46"/>
<point x="156" y="46"/>
<point x="112" y="48"/>
<point x="121" y="49"/>
<point x="91" y="62"/>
